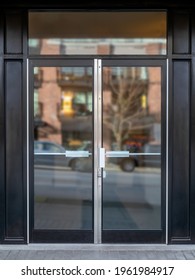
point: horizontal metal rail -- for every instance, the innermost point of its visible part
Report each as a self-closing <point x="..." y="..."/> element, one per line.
<point x="87" y="154"/>
<point x="66" y="154"/>
<point x="128" y="154"/>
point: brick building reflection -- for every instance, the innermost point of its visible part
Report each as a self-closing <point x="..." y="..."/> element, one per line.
<point x="63" y="100"/>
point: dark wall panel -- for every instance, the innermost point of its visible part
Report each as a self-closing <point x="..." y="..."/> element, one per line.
<point x="13" y="35"/>
<point x="14" y="147"/>
<point x="193" y="93"/>
<point x="180" y="128"/>
<point x="192" y="152"/>
<point x="2" y="154"/>
<point x="193" y="32"/>
<point x="1" y="34"/>
<point x="192" y="190"/>
<point x="181" y="33"/>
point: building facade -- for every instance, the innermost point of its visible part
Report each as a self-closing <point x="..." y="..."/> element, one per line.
<point x="97" y="122"/>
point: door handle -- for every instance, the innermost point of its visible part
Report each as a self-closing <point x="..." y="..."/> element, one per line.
<point x="102" y="157"/>
<point x="117" y="154"/>
<point x="77" y="154"/>
<point x="123" y="154"/>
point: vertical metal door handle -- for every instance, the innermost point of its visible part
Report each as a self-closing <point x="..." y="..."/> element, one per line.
<point x="102" y="157"/>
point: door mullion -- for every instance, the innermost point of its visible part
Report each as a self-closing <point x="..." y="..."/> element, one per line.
<point x="97" y="146"/>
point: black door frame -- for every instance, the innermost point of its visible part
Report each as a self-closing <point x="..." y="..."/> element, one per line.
<point x="50" y="236"/>
<point x="146" y="236"/>
<point x="107" y="236"/>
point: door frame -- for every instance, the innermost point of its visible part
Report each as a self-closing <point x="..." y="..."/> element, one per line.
<point x="44" y="235"/>
<point x="97" y="235"/>
<point x="146" y="236"/>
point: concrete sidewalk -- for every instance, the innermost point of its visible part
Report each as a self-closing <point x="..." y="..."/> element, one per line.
<point x="96" y="252"/>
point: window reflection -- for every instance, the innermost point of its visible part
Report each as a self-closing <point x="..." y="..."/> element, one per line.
<point x="132" y="123"/>
<point x="97" y="33"/>
<point x="62" y="122"/>
<point x="63" y="105"/>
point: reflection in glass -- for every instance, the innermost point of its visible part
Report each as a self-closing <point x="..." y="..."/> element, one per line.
<point x="97" y="33"/>
<point x="132" y="123"/>
<point x="62" y="122"/>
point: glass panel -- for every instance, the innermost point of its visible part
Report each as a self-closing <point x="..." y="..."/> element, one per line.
<point x="97" y="33"/>
<point x="132" y="123"/>
<point x="62" y="122"/>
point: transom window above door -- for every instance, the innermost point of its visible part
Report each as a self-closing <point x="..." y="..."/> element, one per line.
<point x="97" y="33"/>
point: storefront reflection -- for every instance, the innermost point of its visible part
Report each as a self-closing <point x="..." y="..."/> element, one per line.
<point x="62" y="198"/>
<point x="131" y="200"/>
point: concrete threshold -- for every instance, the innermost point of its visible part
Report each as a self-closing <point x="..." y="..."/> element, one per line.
<point x="100" y="247"/>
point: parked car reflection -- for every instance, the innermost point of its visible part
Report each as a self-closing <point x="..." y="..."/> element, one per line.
<point x="150" y="158"/>
<point x="47" y="153"/>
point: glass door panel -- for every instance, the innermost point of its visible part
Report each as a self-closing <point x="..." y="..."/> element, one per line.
<point x="99" y="146"/>
<point x="132" y="183"/>
<point x="63" y="150"/>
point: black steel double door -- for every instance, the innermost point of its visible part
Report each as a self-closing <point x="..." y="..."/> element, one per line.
<point x="97" y="144"/>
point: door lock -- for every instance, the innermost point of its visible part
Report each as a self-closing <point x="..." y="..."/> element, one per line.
<point x="101" y="173"/>
<point x="102" y="155"/>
